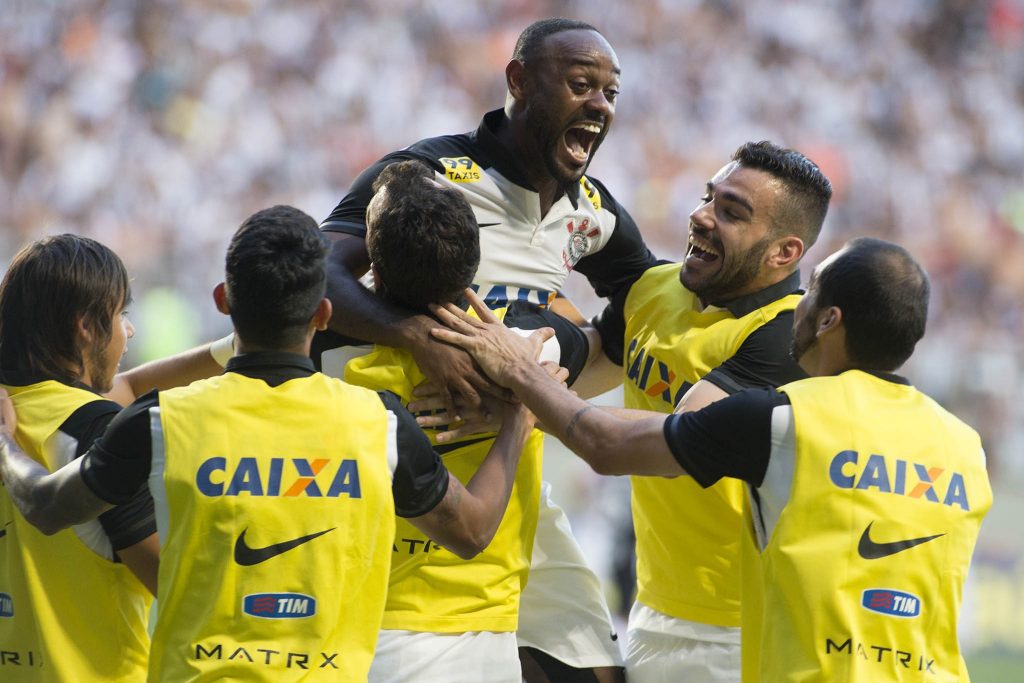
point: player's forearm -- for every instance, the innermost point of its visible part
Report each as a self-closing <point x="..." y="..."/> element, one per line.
<point x="600" y="375"/>
<point x="611" y="442"/>
<point x="491" y="485"/>
<point x="49" y="502"/>
<point x="175" y="371"/>
<point x="361" y="314"/>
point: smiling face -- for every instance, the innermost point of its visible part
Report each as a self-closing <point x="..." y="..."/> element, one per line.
<point x="571" y="106"/>
<point x="731" y="233"/>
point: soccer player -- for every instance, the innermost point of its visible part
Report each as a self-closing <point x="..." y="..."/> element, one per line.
<point x="719" y="322"/>
<point x="446" y="618"/>
<point x="522" y="172"/>
<point x="75" y="606"/>
<point x="866" y="495"/>
<point x="276" y="487"/>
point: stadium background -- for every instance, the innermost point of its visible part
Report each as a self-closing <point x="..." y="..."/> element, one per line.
<point x="157" y="126"/>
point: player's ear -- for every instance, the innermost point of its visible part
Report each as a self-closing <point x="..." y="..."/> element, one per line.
<point x="322" y="315"/>
<point x="220" y="298"/>
<point x="829" y="319"/>
<point x="517" y="79"/>
<point x="788" y="252"/>
<point x="83" y="330"/>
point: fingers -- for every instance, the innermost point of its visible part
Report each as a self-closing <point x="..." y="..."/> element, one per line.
<point x="485" y="313"/>
<point x="7" y="417"/>
<point x="438" y="419"/>
<point x="556" y="371"/>
<point x="543" y="334"/>
<point x="425" y="389"/>
<point x="455" y="318"/>
<point x="452" y="337"/>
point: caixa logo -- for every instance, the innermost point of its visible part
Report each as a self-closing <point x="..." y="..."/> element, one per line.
<point x="279" y="605"/>
<point x="893" y="603"/>
<point x="6" y="605"/>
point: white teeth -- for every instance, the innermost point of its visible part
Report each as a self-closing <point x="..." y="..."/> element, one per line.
<point x="589" y="127"/>
<point x="703" y="246"/>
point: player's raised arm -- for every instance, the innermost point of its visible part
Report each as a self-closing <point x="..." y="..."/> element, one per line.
<point x="178" y="370"/>
<point x="467" y="517"/>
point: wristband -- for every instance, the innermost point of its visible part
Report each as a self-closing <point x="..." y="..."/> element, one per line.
<point x="223" y="349"/>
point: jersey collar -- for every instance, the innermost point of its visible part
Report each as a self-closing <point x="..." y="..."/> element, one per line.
<point x="273" y="367"/>
<point x="24" y="378"/>
<point x="748" y="303"/>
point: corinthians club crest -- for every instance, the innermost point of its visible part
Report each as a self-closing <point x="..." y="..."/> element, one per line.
<point x="578" y="244"/>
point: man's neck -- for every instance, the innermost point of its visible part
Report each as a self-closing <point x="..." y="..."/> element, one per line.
<point x="523" y="148"/>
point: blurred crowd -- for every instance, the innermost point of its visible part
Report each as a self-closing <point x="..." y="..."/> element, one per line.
<point x="156" y="126"/>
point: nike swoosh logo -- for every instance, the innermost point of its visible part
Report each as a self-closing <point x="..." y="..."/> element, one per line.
<point x="870" y="550"/>
<point x="486" y="225"/>
<point x="247" y="557"/>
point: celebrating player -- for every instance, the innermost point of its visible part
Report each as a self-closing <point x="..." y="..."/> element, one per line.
<point x="540" y="218"/>
<point x="75" y="606"/>
<point x="697" y="331"/>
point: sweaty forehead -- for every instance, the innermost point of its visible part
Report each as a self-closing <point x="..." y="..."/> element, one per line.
<point x="579" y="46"/>
<point x="759" y="188"/>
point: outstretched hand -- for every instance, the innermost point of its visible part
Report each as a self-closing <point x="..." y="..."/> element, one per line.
<point x="494" y="347"/>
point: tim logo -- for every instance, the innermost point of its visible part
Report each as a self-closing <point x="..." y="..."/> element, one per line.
<point x="6" y="605"/>
<point x="899" y="477"/>
<point x="284" y="477"/>
<point x="893" y="603"/>
<point x="279" y="605"/>
<point x="578" y="244"/>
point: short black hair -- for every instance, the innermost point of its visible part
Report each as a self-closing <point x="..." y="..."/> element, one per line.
<point x="422" y="237"/>
<point x="809" y="190"/>
<point x="51" y="284"/>
<point x="883" y="294"/>
<point x="276" y="274"/>
<point x="532" y="38"/>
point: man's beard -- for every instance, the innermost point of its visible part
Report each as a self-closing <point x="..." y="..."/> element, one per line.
<point x="548" y="134"/>
<point x="803" y="340"/>
<point x="723" y="284"/>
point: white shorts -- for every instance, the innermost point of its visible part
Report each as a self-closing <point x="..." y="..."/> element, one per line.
<point x="563" y="611"/>
<point x="663" y="649"/>
<point x="474" y="657"/>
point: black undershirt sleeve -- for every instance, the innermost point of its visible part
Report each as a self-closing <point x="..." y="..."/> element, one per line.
<point x="763" y="360"/>
<point x="728" y="438"/>
<point x="134" y="519"/>
<point x="117" y="465"/>
<point x="421" y="479"/>
<point x="613" y="270"/>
